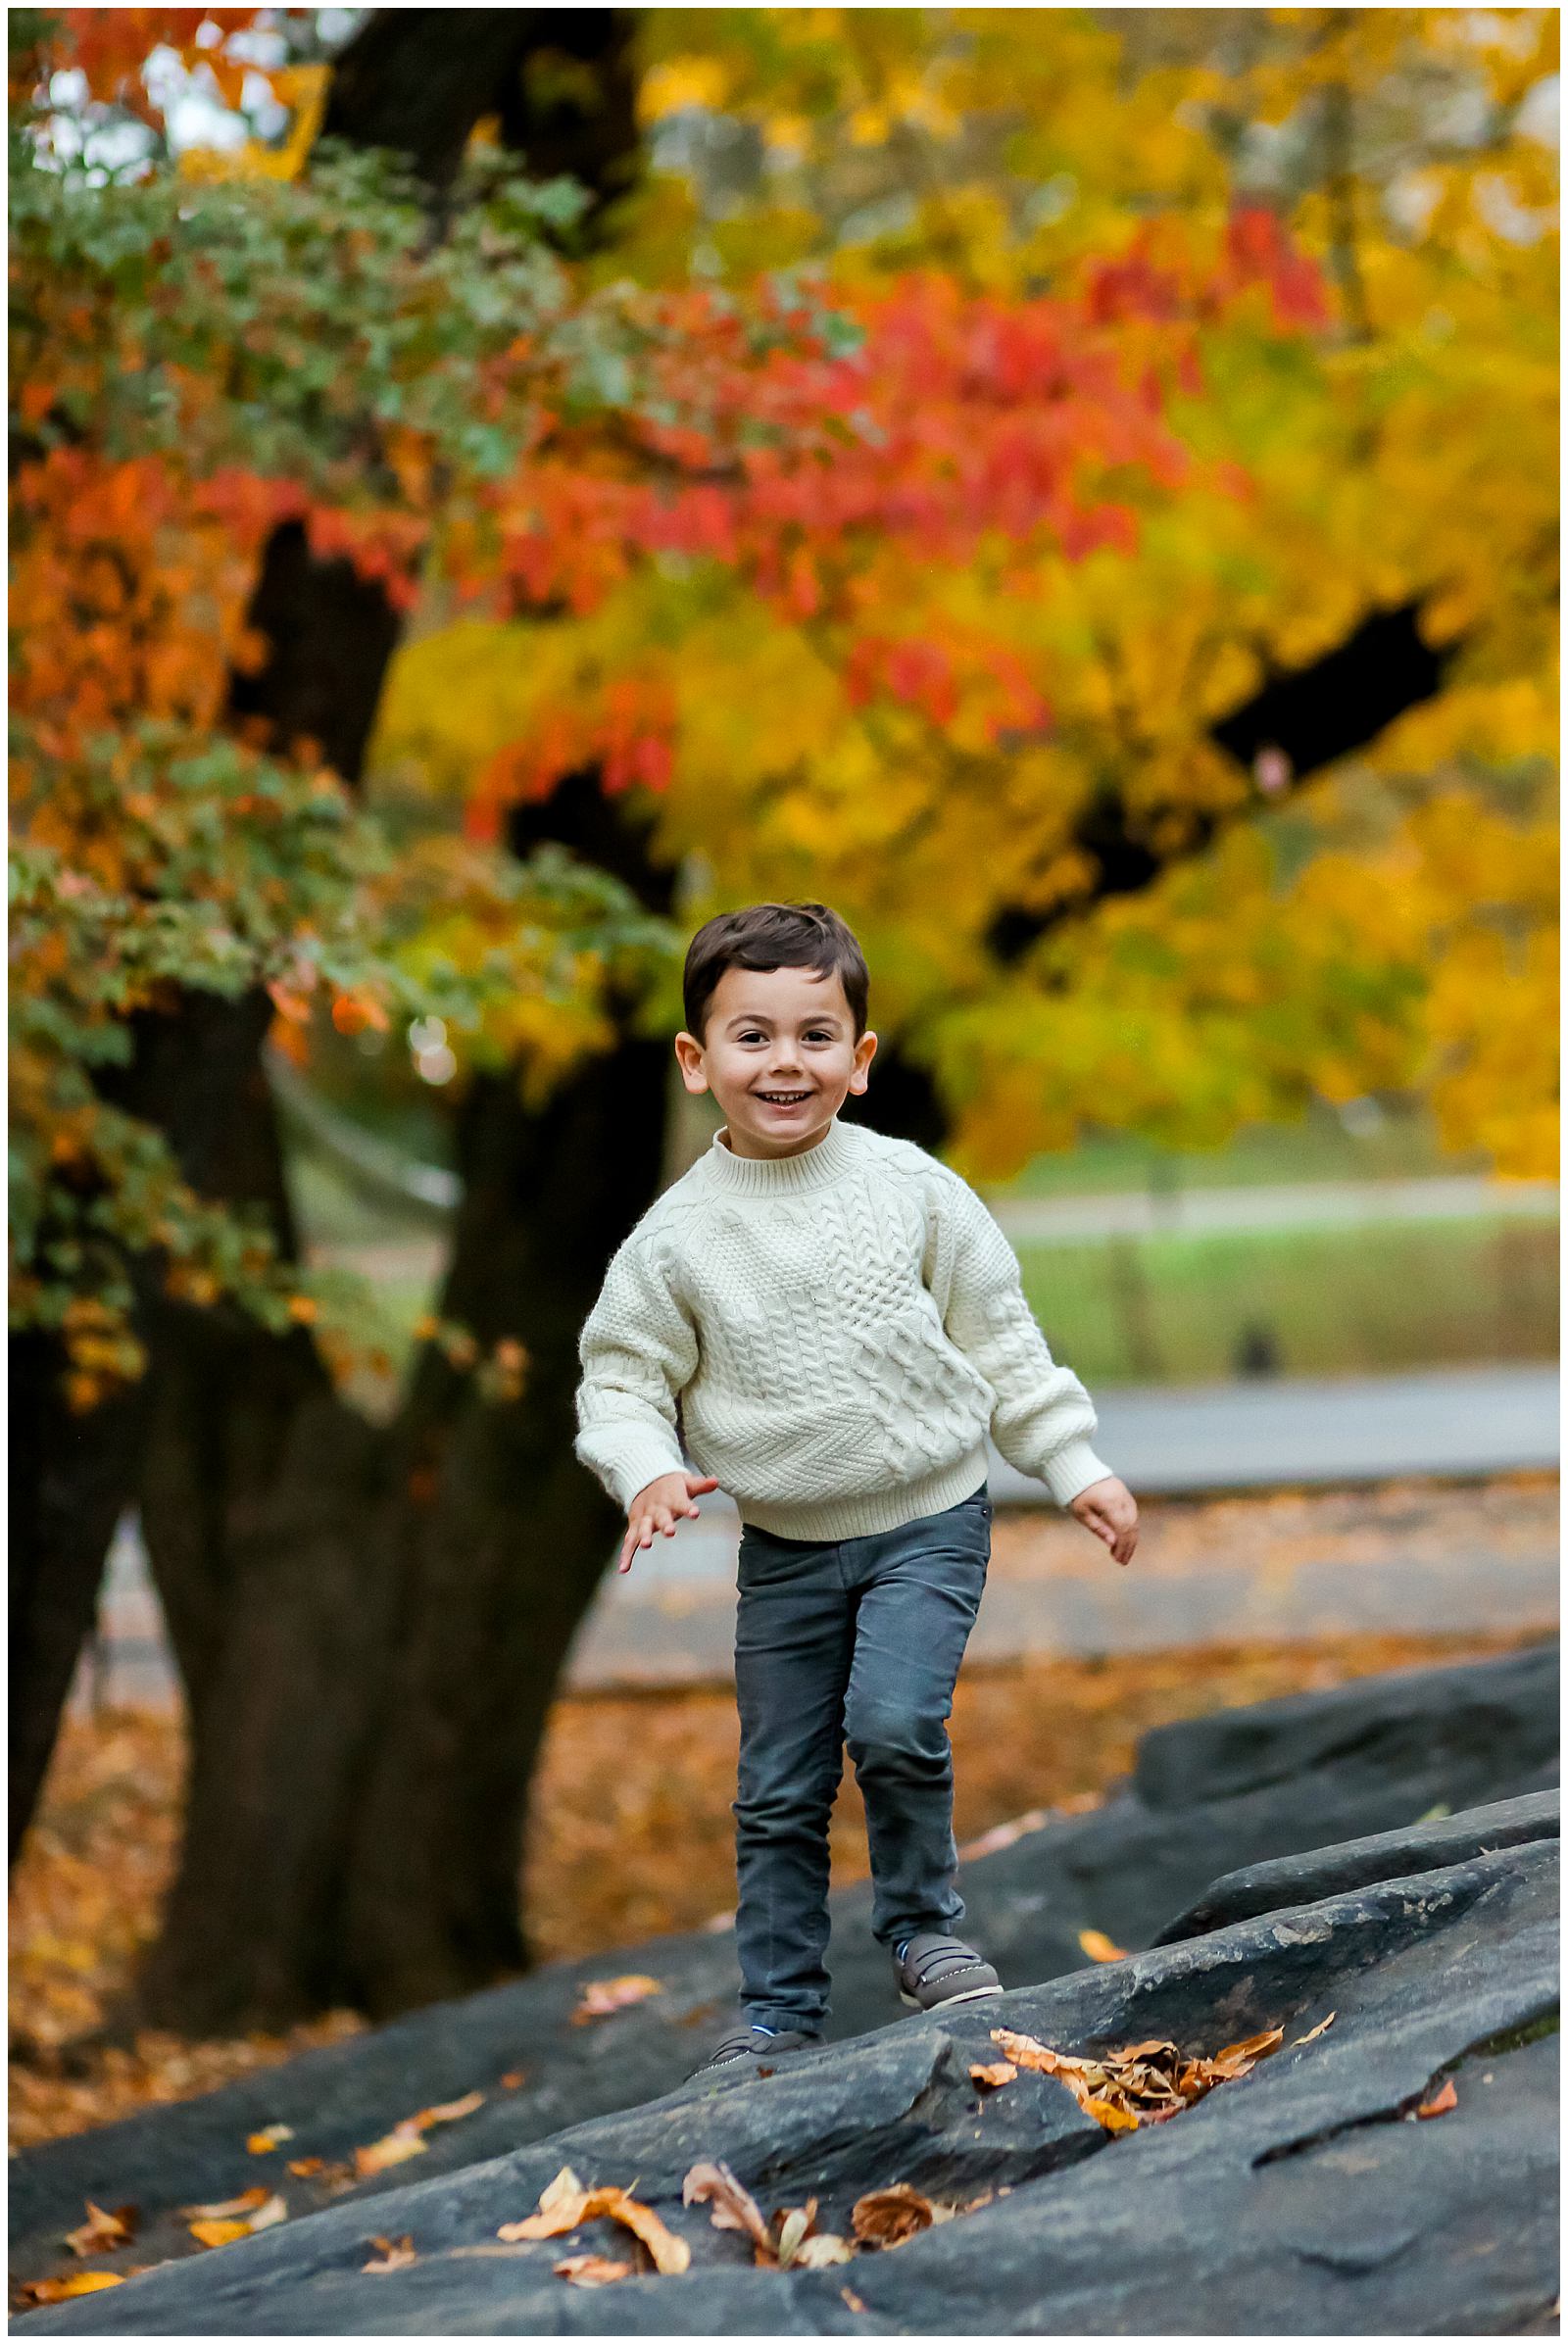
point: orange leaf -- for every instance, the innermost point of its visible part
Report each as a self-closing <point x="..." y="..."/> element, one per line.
<point x="591" y="2270"/>
<point x="102" y="2232"/>
<point x="731" y="2206"/>
<point x="246" y="2203"/>
<point x="447" y="2112"/>
<point x="1100" y="1947"/>
<point x="998" y="2072"/>
<point x="1445" y="2100"/>
<point x="219" y="2233"/>
<point x="271" y="2137"/>
<point x="602" y="1996"/>
<point x="1106" y="2112"/>
<point x="405" y="2140"/>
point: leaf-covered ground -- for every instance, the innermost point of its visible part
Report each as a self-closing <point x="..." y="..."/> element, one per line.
<point x="633" y="1836"/>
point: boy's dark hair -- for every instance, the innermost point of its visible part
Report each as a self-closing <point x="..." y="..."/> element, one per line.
<point x="774" y="936"/>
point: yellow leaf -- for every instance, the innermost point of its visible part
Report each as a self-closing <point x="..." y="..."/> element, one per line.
<point x="81" y="2282"/>
<point x="272" y="2137"/>
<point x="1100" y="1947"/>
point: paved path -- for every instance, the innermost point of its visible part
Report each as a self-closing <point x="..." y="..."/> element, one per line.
<point x="672" y="1618"/>
<point x="1192" y="1213"/>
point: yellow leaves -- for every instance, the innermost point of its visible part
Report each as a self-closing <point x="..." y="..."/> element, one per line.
<point x="602" y="1997"/>
<point x="1100" y="1947"/>
<point x="272" y="2136"/>
<point x="79" y="2283"/>
<point x="680" y="82"/>
<point x="235" y="2217"/>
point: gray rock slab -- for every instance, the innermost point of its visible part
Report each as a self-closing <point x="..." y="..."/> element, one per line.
<point x="1209" y="1797"/>
<point x="1304" y="2199"/>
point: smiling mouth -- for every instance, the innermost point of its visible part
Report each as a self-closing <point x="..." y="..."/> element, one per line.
<point x="784" y="1099"/>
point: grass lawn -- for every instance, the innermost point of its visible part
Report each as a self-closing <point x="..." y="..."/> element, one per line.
<point x="1326" y="1301"/>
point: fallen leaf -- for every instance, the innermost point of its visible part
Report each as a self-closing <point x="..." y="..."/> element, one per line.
<point x="564" y="2204"/>
<point x="272" y="2137"/>
<point x="225" y="2208"/>
<point x="603" y="1996"/>
<point x="1100" y="1947"/>
<point x="1106" y="2113"/>
<point x="852" y="2299"/>
<point x="793" y="2228"/>
<point x="102" y="2231"/>
<point x="591" y="2270"/>
<point x="448" y="2113"/>
<point x="219" y="2233"/>
<point x="821" y="2249"/>
<point x="888" y="2216"/>
<point x="274" y="2212"/>
<point x="731" y="2207"/>
<point x="1255" y="2047"/>
<point x="994" y="2077"/>
<point x="405" y="2140"/>
<point x="391" y="2253"/>
<point x="1313" y="2032"/>
<point x="81" y="2282"/>
<point x="1441" y="2105"/>
<point x="512" y="2080"/>
<point x="307" y="2166"/>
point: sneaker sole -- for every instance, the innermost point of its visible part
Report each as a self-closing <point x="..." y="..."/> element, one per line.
<point x="971" y="1994"/>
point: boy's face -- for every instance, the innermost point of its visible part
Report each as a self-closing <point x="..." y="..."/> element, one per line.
<point x="778" y="1053"/>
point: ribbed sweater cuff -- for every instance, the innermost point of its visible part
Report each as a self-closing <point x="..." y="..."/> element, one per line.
<point x="639" y="1458"/>
<point x="1072" y="1470"/>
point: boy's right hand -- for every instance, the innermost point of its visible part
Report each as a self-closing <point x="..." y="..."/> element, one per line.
<point x="661" y="1506"/>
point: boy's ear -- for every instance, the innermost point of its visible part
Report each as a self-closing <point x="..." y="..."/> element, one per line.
<point x="689" y="1054"/>
<point x="864" y="1053"/>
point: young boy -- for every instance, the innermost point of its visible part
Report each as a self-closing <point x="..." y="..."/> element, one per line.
<point x="831" y="1322"/>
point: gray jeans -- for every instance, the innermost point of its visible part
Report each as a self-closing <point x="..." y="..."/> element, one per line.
<point x="854" y="1643"/>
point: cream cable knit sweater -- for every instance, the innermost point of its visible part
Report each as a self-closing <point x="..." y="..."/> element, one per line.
<point x="833" y="1333"/>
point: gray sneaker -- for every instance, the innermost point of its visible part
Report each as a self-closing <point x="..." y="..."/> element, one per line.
<point x="757" y="2046"/>
<point x="933" y="1971"/>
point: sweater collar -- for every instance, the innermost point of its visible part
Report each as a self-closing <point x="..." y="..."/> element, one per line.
<point x="815" y="1167"/>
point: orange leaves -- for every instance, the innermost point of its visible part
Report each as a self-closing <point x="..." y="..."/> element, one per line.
<point x="890" y="2217"/>
<point x="790" y="2241"/>
<point x="1442" y="2103"/>
<point x="407" y="2139"/>
<point x="564" y="2205"/>
<point x="79" y="2283"/>
<point x="1100" y="1947"/>
<point x="603" y="1996"/>
<point x="1143" y="2083"/>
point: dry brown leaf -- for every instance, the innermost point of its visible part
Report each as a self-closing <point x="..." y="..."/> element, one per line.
<point x="888" y="2216"/>
<point x="592" y="2270"/>
<point x="391" y="2253"/>
<point x="852" y="2299"/>
<point x="272" y="2136"/>
<point x="448" y="2113"/>
<point x="1106" y="2113"/>
<point x="821" y="2249"/>
<point x="405" y="2140"/>
<point x="1138" y="2083"/>
<point x="81" y="2282"/>
<point x="102" y="2231"/>
<point x="225" y="2209"/>
<point x="602" y="1997"/>
<point x="219" y="2233"/>
<point x="307" y="2166"/>
<point x="1313" y="2032"/>
<point x="1440" y="2106"/>
<point x="731" y="2206"/>
<point x="994" y="2077"/>
<point x="1237" y="2057"/>
<point x="1100" y="1947"/>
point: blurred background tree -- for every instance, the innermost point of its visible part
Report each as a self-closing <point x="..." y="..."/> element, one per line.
<point x="437" y="593"/>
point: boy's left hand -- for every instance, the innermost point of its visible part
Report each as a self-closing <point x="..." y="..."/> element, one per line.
<point x="1109" y="1509"/>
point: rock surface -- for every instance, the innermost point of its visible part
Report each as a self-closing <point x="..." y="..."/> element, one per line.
<point x="1296" y="2201"/>
<point x="1247" y="1794"/>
